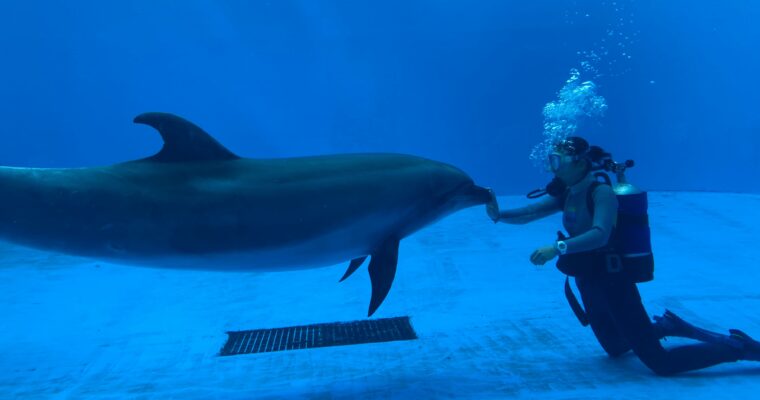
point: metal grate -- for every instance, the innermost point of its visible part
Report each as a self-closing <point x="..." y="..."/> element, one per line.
<point x="318" y="335"/>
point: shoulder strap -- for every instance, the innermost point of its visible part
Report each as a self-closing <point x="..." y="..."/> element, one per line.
<point x="590" y="196"/>
<point x="563" y="199"/>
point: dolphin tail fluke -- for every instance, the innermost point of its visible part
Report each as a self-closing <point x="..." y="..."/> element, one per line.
<point x="382" y="270"/>
<point x="355" y="264"/>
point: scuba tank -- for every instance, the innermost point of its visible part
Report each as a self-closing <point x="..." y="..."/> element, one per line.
<point x="631" y="238"/>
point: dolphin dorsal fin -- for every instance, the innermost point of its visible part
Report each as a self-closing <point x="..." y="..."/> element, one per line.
<point x="183" y="140"/>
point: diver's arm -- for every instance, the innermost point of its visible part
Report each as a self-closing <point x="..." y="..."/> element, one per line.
<point x="532" y="212"/>
<point x="605" y="214"/>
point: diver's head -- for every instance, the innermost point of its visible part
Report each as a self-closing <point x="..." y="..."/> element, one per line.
<point x="569" y="159"/>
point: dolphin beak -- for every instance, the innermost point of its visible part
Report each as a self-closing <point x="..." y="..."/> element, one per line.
<point x="478" y="194"/>
<point x="469" y="194"/>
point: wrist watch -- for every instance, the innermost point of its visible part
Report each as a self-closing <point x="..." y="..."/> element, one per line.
<point x="561" y="247"/>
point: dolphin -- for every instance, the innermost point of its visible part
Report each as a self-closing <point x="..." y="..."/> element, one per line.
<point x="197" y="205"/>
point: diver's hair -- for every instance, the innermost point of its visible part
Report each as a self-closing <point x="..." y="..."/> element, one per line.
<point x="579" y="147"/>
<point x="596" y="154"/>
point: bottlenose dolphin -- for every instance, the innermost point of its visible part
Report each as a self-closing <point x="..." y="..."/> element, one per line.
<point x="195" y="204"/>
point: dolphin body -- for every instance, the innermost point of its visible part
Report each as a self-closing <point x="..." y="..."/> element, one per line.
<point x="196" y="205"/>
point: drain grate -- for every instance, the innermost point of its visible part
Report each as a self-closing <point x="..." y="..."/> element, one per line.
<point x="318" y="335"/>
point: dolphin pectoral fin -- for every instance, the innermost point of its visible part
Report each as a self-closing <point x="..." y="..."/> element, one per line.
<point x="355" y="264"/>
<point x="382" y="270"/>
<point x="183" y="140"/>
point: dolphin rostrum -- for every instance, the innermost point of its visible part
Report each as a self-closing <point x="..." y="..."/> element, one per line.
<point x="195" y="204"/>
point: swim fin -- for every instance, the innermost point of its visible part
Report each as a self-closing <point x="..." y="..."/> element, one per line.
<point x="751" y="350"/>
<point x="672" y="325"/>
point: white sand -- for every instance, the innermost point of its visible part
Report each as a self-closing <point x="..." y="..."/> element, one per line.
<point x="490" y="324"/>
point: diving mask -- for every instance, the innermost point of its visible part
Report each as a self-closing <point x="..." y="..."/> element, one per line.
<point x="556" y="160"/>
<point x="566" y="151"/>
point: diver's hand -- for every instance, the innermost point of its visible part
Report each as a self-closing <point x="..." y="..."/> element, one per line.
<point x="543" y="254"/>
<point x="492" y="207"/>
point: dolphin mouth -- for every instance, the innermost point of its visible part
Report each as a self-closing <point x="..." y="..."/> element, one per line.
<point x="479" y="194"/>
<point x="470" y="194"/>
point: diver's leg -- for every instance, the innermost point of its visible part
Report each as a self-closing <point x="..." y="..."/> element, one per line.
<point x="632" y="321"/>
<point x="750" y="347"/>
<point x="600" y="319"/>
<point x="670" y="324"/>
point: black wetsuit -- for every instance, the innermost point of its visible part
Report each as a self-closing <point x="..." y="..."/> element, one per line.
<point x="613" y="307"/>
<point x="620" y="323"/>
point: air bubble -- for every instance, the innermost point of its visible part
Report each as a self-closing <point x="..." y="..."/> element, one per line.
<point x="575" y="102"/>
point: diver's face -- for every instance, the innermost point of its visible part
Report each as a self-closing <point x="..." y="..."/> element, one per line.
<point x="564" y="166"/>
<point x="559" y="162"/>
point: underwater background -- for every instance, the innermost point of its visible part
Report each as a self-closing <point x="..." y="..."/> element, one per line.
<point x="480" y="84"/>
<point x="461" y="82"/>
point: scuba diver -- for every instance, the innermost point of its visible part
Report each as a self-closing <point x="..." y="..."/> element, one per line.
<point x="608" y="251"/>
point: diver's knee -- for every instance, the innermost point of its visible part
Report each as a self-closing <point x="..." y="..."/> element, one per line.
<point x="614" y="348"/>
<point x="616" y="352"/>
<point x="662" y="370"/>
<point x="658" y="362"/>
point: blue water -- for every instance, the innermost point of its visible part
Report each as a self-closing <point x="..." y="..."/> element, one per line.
<point x="672" y="85"/>
<point x="463" y="82"/>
